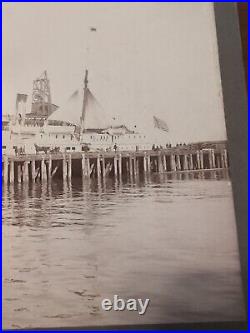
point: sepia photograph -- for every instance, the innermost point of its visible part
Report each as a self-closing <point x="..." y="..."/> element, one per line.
<point x="117" y="200"/>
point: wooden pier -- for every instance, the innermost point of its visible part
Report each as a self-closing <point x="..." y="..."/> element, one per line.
<point x="65" y="166"/>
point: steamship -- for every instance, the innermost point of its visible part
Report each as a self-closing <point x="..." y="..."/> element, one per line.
<point x="79" y="125"/>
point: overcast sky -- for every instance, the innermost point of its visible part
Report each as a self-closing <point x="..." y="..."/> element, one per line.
<point x="144" y="59"/>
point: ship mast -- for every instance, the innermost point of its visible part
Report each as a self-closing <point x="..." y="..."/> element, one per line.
<point x="85" y="97"/>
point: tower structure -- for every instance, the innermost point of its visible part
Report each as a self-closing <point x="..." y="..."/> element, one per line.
<point x="41" y="96"/>
<point x="41" y="105"/>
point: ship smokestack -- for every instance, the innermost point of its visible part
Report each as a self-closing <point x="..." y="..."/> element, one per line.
<point x="21" y="106"/>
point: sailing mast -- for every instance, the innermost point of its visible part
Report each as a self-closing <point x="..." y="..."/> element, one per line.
<point x="85" y="97"/>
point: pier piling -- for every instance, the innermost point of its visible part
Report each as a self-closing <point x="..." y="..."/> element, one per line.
<point x="49" y="167"/>
<point x="178" y="163"/>
<point x="120" y="165"/>
<point x="33" y="171"/>
<point x="11" y="164"/>
<point x="148" y="164"/>
<point x="98" y="166"/>
<point x="115" y="166"/>
<point x="201" y="158"/>
<point x="69" y="167"/>
<point x="185" y="162"/>
<point x="19" y="173"/>
<point x="225" y="159"/>
<point x="160" y="165"/>
<point x="25" y="172"/>
<point x="83" y="166"/>
<point x="130" y="166"/>
<point x="5" y="169"/>
<point x="164" y="163"/>
<point x="172" y="162"/>
<point x="43" y="170"/>
<point x="145" y="162"/>
<point x="64" y="167"/>
<point x="213" y="159"/>
<point x="23" y="168"/>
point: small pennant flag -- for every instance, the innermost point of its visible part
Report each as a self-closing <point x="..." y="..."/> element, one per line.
<point x="161" y="124"/>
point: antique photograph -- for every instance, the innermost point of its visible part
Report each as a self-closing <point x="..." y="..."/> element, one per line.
<point x="117" y="204"/>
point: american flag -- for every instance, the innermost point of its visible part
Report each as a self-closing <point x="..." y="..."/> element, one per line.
<point x="161" y="124"/>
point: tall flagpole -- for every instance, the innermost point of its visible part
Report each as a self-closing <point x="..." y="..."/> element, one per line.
<point x="85" y="89"/>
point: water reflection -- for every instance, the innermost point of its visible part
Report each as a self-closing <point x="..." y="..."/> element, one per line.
<point x="168" y="237"/>
<point x="23" y="203"/>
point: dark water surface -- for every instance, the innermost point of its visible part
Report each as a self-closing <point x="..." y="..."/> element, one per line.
<point x="168" y="238"/>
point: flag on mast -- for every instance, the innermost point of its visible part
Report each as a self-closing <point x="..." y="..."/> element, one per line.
<point x="161" y="124"/>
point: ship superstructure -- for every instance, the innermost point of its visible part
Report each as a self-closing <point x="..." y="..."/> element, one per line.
<point x="79" y="125"/>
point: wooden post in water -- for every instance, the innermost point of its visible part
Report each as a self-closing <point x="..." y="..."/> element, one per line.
<point x="201" y="160"/>
<point x="225" y="158"/>
<point x="83" y="165"/>
<point x="213" y="158"/>
<point x="5" y="169"/>
<point x="145" y="162"/>
<point x="103" y="168"/>
<point x="210" y="161"/>
<point x="198" y="159"/>
<point x="19" y="173"/>
<point x="172" y="162"/>
<point x="130" y="166"/>
<point x="178" y="162"/>
<point x="222" y="159"/>
<point x="25" y="171"/>
<point x="69" y="167"/>
<point x="120" y="165"/>
<point x="92" y="167"/>
<point x="43" y="170"/>
<point x="135" y="166"/>
<point x="191" y="163"/>
<point x="164" y="162"/>
<point x="64" y="167"/>
<point x="155" y="164"/>
<point x="11" y="172"/>
<point x="88" y="167"/>
<point x="218" y="162"/>
<point x="127" y="166"/>
<point x="33" y="171"/>
<point x="49" y="167"/>
<point x="115" y="166"/>
<point x="98" y="166"/>
<point x="108" y="168"/>
<point x="185" y="162"/>
<point x="160" y="165"/>
<point x="148" y="164"/>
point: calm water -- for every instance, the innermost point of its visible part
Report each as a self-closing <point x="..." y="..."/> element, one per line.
<point x="68" y="246"/>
